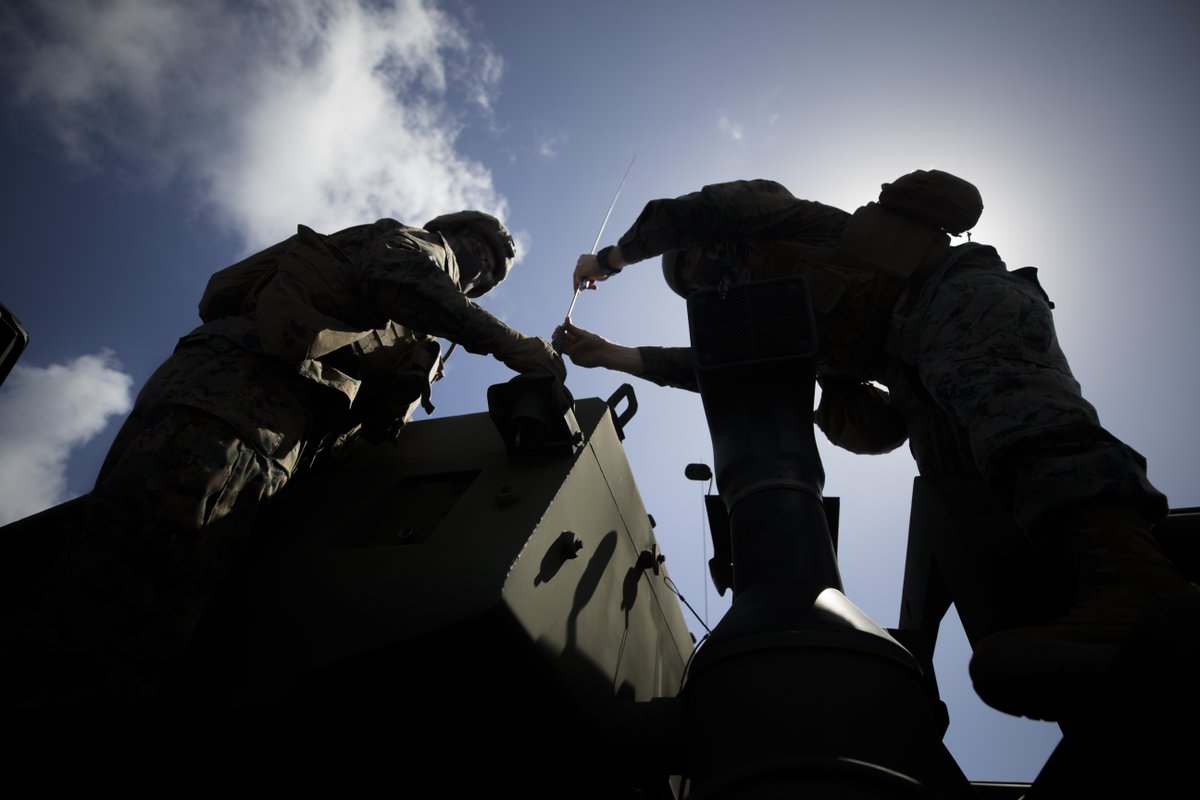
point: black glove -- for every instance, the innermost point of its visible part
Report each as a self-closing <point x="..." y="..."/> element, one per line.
<point x="384" y="405"/>
<point x="531" y="354"/>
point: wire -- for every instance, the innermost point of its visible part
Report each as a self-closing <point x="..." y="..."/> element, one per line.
<point x="687" y="667"/>
<point x="704" y="549"/>
<point x="682" y="599"/>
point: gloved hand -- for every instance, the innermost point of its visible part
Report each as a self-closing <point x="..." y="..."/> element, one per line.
<point x="531" y="354"/>
<point x="385" y="404"/>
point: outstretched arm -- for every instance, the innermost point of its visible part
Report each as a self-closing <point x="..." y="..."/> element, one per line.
<point x="666" y="366"/>
<point x="404" y="280"/>
<point x="745" y="209"/>
<point x="587" y="349"/>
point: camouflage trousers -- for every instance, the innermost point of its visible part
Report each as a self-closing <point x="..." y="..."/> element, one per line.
<point x="986" y="389"/>
<point x="168" y="517"/>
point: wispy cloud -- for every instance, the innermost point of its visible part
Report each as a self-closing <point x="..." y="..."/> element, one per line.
<point x="548" y="144"/>
<point x="730" y="128"/>
<point x="265" y="114"/>
<point x="45" y="412"/>
<point x="328" y="111"/>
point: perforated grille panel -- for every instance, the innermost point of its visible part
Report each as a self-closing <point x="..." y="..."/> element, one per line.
<point x="768" y="321"/>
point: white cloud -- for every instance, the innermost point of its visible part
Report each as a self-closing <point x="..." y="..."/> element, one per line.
<point x="730" y="128"/>
<point x="45" y="412"/>
<point x="548" y="144"/>
<point x="330" y="112"/>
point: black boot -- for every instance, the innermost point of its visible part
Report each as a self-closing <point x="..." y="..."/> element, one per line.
<point x="1121" y="576"/>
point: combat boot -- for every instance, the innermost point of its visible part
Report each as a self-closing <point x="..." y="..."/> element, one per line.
<point x="1121" y="575"/>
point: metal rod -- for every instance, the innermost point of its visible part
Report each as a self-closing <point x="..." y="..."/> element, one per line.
<point x="608" y="213"/>
<point x="603" y="225"/>
<point x="573" y="299"/>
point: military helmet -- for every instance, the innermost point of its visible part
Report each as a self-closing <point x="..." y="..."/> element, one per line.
<point x="714" y="269"/>
<point x="936" y="198"/>
<point x="486" y="227"/>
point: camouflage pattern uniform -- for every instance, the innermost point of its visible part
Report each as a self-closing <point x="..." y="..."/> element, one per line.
<point x="339" y="341"/>
<point x="977" y="371"/>
<point x="969" y="354"/>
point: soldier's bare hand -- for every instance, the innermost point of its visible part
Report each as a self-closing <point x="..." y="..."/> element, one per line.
<point x="584" y="348"/>
<point x="587" y="272"/>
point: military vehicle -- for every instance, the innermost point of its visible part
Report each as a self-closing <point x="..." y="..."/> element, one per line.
<point x="13" y="339"/>
<point x="494" y="618"/>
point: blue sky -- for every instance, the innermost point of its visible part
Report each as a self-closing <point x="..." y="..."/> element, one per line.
<point x="147" y="144"/>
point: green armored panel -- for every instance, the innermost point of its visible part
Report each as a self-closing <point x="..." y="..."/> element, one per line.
<point x="436" y="618"/>
<point x="446" y="578"/>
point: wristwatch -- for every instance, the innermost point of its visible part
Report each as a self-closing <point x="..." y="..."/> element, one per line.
<point x="602" y="260"/>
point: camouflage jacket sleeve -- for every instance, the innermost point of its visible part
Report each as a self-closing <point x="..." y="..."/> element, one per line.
<point x="747" y="209"/>
<point x="669" y="366"/>
<point x="410" y="276"/>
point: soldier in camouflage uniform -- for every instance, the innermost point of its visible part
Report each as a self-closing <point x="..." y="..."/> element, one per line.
<point x="306" y="345"/>
<point x="975" y="378"/>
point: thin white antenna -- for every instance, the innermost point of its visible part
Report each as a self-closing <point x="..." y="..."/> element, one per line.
<point x="603" y="225"/>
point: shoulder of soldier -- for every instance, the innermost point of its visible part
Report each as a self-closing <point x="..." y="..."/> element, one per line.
<point x="769" y="200"/>
<point x="366" y="231"/>
<point x="748" y="186"/>
<point x="762" y="191"/>
<point x="974" y="251"/>
<point x="399" y="235"/>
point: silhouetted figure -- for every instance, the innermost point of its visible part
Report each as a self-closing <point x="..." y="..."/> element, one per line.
<point x="975" y="381"/>
<point x="305" y="346"/>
